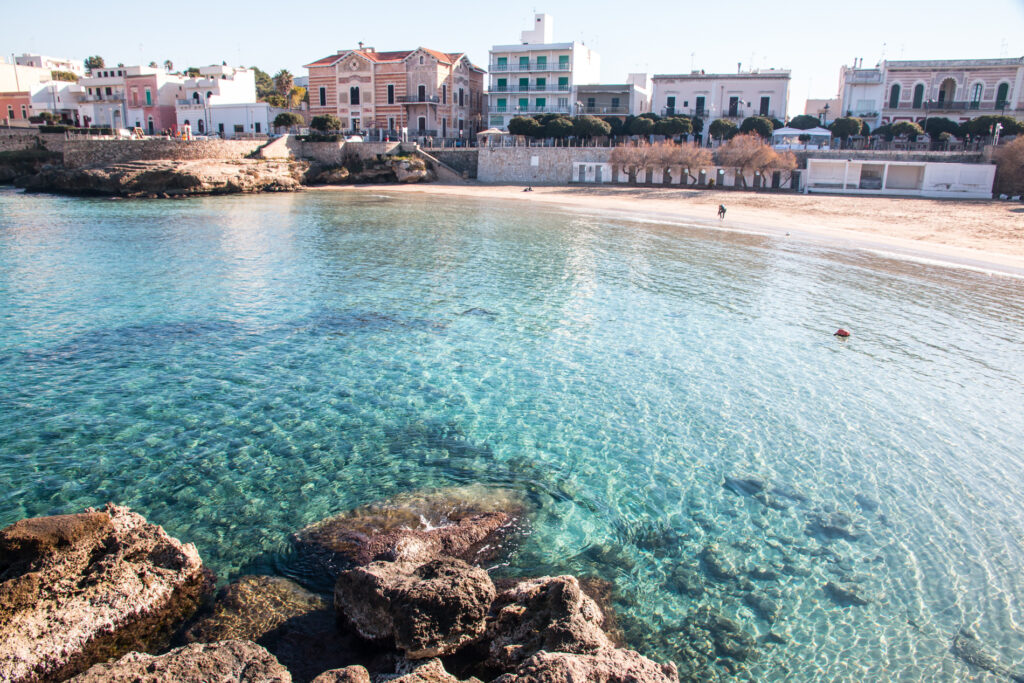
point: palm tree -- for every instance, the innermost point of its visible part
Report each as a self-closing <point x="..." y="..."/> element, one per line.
<point x="283" y="82"/>
<point x="169" y="65"/>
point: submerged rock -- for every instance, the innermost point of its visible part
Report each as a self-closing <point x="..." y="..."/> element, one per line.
<point x="428" y="609"/>
<point x="712" y="633"/>
<point x="231" y="660"/>
<point x="469" y="523"/>
<point x="301" y="629"/>
<point x="547" y="613"/>
<point x="79" y="589"/>
<point x="193" y="177"/>
<point x="833" y="525"/>
<point x="971" y="650"/>
<point x="846" y="593"/>
<point x="606" y="666"/>
<point x="718" y="564"/>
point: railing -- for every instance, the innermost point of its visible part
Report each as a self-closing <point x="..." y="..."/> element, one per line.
<point x="423" y="133"/>
<point x="866" y="78"/>
<point x="947" y="105"/>
<point x="677" y="111"/>
<point x="604" y="110"/>
<point x="530" y="108"/>
<point x="531" y="66"/>
<point x="416" y="99"/>
<point x="530" y="88"/>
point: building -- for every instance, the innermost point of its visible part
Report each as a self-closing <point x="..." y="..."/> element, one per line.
<point x="541" y="76"/>
<point x="16" y="84"/>
<point x="423" y="91"/>
<point x="631" y="98"/>
<point x="758" y="92"/>
<point x="151" y="97"/>
<point x="103" y="104"/>
<point x="824" y="110"/>
<point x="905" y="178"/>
<point x="957" y="89"/>
<point x="75" y="66"/>
<point x="222" y="100"/>
<point x="57" y="97"/>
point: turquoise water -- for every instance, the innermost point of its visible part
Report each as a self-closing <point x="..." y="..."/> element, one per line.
<point x="237" y="367"/>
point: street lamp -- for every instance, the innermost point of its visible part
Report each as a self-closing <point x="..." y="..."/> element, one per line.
<point x="825" y="122"/>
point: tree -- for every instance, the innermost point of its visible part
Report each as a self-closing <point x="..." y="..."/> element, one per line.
<point x="908" y="128"/>
<point x="325" y="123"/>
<point x="865" y="129"/>
<point x="757" y="124"/>
<point x="641" y="125"/>
<point x="69" y="76"/>
<point x="633" y="158"/>
<point x="673" y="126"/>
<point x="804" y="122"/>
<point x="722" y="128"/>
<point x="938" y="125"/>
<point x="94" y="62"/>
<point x="297" y="96"/>
<point x="168" y="65"/>
<point x="749" y="153"/>
<point x="587" y="127"/>
<point x="776" y="124"/>
<point x="276" y="100"/>
<point x="289" y="119"/>
<point x="558" y="127"/>
<point x="615" y="123"/>
<point x="264" y="84"/>
<point x="192" y="72"/>
<point x="1010" y="167"/>
<point x="524" y="125"/>
<point x="846" y="126"/>
<point x="283" y="82"/>
<point x="983" y="125"/>
<point x="687" y="156"/>
<point x="884" y="131"/>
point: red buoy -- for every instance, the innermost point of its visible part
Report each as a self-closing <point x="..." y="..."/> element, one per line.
<point x="841" y="333"/>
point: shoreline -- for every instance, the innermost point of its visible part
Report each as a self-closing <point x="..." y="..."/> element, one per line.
<point x="967" y="234"/>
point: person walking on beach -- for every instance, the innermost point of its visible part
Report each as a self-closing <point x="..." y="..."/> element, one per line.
<point x="721" y="212"/>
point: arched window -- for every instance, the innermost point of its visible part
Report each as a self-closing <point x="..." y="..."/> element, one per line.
<point x="918" y="95"/>
<point x="894" y="96"/>
<point x="1002" y="95"/>
<point x="202" y="127"/>
<point x="195" y="97"/>
<point x="152" y="128"/>
<point x="976" y="91"/>
<point x="353" y="95"/>
<point x="209" y="94"/>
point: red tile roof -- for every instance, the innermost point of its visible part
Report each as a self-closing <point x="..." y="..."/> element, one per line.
<point x="396" y="56"/>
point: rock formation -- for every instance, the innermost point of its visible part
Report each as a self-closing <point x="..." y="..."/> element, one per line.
<point x="238" y="661"/>
<point x="79" y="589"/>
<point x="606" y="666"/>
<point x="429" y="610"/>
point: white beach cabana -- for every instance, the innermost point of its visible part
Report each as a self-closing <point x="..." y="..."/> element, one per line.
<point x="489" y="136"/>
<point x="789" y="138"/>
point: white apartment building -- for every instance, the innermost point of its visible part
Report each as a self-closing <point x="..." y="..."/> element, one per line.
<point x="757" y="92"/>
<point x="103" y="104"/>
<point x="75" y="66"/>
<point x="57" y="97"/>
<point x="631" y="98"/>
<point x="222" y="101"/>
<point x="538" y="75"/>
<point x="913" y="90"/>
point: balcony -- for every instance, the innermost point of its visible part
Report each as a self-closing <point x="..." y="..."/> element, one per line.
<point x="530" y="88"/>
<point x="678" y="111"/>
<point x="416" y="99"/>
<point x="872" y="77"/>
<point x="530" y="109"/>
<point x="597" y="111"/>
<point x="530" y="66"/>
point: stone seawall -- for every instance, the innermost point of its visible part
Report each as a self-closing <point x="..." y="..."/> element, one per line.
<point x="13" y="140"/>
<point x="86" y="153"/>
<point x="462" y="160"/>
<point x="535" y="165"/>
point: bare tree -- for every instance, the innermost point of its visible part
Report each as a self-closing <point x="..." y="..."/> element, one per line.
<point x="687" y="156"/>
<point x="633" y="158"/>
<point x="749" y="153"/>
<point x="1010" y="167"/>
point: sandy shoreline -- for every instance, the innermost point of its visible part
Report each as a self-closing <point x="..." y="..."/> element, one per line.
<point x="983" y="234"/>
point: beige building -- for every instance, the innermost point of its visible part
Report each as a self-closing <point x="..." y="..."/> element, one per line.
<point x="758" y="92"/>
<point x="426" y="92"/>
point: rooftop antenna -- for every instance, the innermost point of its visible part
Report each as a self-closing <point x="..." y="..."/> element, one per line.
<point x="692" y="55"/>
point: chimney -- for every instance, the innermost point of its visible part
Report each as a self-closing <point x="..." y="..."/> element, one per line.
<point x="360" y="45"/>
<point x="739" y="67"/>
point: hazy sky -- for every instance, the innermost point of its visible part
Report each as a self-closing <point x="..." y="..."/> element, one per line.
<point x="812" y="38"/>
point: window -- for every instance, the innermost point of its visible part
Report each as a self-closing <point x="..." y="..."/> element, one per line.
<point x="391" y="94"/>
<point x="149" y="97"/>
<point x="462" y="125"/>
<point x="195" y="97"/>
<point x="734" y="106"/>
<point x="355" y="124"/>
<point x="563" y="102"/>
<point x="323" y="97"/>
<point x="524" y="85"/>
<point x="502" y="104"/>
<point x="444" y="94"/>
<point x="615" y="102"/>
<point x="220" y="128"/>
<point x="391" y="124"/>
<point x="699" y="105"/>
<point x="209" y="94"/>
<point x="894" y="96"/>
<point x="524" y="63"/>
<point x="462" y="98"/>
<point x="10" y="112"/>
<point x="765" y="102"/>
<point x="353" y="95"/>
<point x="422" y="92"/>
<point x="541" y="103"/>
<point x="502" y="64"/>
<point x="563" y="82"/>
<point x="591" y="103"/>
<point x="502" y="84"/>
<point x="421" y="59"/>
<point x="976" y="95"/>
<point x="1002" y="94"/>
<point x="542" y="84"/>
<point x="670" y="104"/>
<point x="563" y="62"/>
<point x="135" y="99"/>
<point x="257" y="127"/>
<point x="918" y="95"/>
<point x="524" y="104"/>
<point x="542" y="63"/>
<point x="239" y="128"/>
<point x="24" y="112"/>
<point x="109" y="91"/>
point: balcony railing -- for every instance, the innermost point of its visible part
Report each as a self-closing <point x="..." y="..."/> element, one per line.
<point x="531" y="66"/>
<point x="530" y="109"/>
<point x="604" y="110"/>
<point x="947" y="105"/>
<point x="416" y="99"/>
<point x="513" y="87"/>
<point x="875" y="77"/>
<point x="680" y="111"/>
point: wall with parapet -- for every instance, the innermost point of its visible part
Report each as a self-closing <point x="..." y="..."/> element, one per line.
<point x="84" y="153"/>
<point x="13" y="139"/>
<point x="462" y="160"/>
<point x="534" y="165"/>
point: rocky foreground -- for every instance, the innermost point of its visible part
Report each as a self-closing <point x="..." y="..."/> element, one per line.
<point x="106" y="596"/>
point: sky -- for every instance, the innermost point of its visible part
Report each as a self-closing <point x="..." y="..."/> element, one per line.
<point x="813" y="39"/>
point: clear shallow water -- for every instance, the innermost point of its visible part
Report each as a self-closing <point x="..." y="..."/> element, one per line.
<point x="237" y="367"/>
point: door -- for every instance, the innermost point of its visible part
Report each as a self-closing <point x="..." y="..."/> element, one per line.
<point x="524" y="85"/>
<point x="918" y="95"/>
<point x="734" y="106"/>
<point x="765" y="102"/>
<point x="422" y="123"/>
<point x="699" y="104"/>
<point x="421" y="92"/>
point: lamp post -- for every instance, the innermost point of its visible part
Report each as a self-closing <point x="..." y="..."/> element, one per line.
<point x="825" y="122"/>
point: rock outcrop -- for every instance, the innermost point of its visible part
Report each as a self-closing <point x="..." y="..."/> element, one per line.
<point x="548" y="613"/>
<point x="298" y="627"/>
<point x="165" y="178"/>
<point x="350" y="674"/>
<point x="237" y="661"/>
<point x="379" y="170"/>
<point x="79" y="589"/>
<point x="429" y="671"/>
<point x="470" y="524"/>
<point x="429" y="609"/>
<point x="606" y="666"/>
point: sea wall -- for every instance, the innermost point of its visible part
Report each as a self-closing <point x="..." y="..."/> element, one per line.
<point x="889" y="155"/>
<point x="534" y="165"/>
<point x="461" y="160"/>
<point x="12" y="139"/>
<point x="85" y="153"/>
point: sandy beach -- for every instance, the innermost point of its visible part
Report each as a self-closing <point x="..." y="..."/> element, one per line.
<point x="985" y="234"/>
